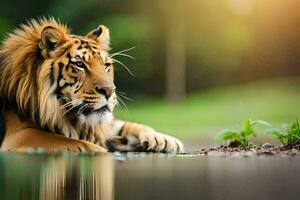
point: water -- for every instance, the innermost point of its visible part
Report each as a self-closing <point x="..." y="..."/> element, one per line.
<point x="147" y="176"/>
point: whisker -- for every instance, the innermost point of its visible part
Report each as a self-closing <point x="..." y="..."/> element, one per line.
<point x="122" y="51"/>
<point x="69" y="103"/>
<point x="122" y="102"/>
<point x="129" y="71"/>
<point x="72" y="107"/>
<point x="80" y="109"/>
<point x="66" y="105"/>
<point x="123" y="54"/>
<point x="121" y="92"/>
<point x="127" y="98"/>
<point x="68" y="110"/>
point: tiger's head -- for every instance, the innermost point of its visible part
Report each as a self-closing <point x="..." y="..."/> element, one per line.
<point x="82" y="71"/>
<point x="58" y="79"/>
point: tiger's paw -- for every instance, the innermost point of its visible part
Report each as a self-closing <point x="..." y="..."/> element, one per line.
<point x="158" y="142"/>
<point x="146" y="142"/>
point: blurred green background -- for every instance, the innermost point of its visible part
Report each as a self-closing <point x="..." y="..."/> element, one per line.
<point x="200" y="65"/>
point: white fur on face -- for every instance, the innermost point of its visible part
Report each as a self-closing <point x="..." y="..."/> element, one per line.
<point x="111" y="104"/>
<point x="102" y="102"/>
<point x="96" y="118"/>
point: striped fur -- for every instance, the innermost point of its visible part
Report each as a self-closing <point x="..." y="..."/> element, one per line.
<point x="64" y="84"/>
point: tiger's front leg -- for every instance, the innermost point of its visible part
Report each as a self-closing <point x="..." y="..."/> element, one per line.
<point x="141" y="138"/>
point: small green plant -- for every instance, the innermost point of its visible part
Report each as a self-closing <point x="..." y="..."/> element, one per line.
<point x="243" y="134"/>
<point x="290" y="135"/>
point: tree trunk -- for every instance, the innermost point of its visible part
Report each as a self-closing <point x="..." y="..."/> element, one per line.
<point x="175" y="63"/>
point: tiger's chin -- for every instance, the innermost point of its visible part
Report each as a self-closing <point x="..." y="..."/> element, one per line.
<point x="87" y="113"/>
<point x="98" y="116"/>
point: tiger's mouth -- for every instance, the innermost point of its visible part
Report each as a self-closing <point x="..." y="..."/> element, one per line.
<point x="86" y="109"/>
<point x="89" y="110"/>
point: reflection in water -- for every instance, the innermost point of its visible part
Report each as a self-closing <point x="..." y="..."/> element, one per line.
<point x="147" y="177"/>
<point x="56" y="176"/>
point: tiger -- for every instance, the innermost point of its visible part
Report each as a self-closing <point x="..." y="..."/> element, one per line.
<point x="57" y="93"/>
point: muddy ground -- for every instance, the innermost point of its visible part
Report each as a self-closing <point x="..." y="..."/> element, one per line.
<point x="265" y="149"/>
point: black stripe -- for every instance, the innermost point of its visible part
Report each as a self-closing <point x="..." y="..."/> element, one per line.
<point x="64" y="51"/>
<point x="66" y="85"/>
<point x="78" y="88"/>
<point x="121" y="130"/>
<point x="57" y="131"/>
<point x="81" y="135"/>
<point x="58" y="91"/>
<point x="124" y="141"/>
<point x="67" y="67"/>
<point x="73" y="69"/>
<point x="61" y="65"/>
<point x="60" y="77"/>
<point x="177" y="147"/>
<point x="110" y="146"/>
<point x="51" y="75"/>
<point x="156" y="141"/>
<point x="166" y="144"/>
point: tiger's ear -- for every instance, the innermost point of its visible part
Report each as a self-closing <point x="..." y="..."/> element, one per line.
<point x="100" y="35"/>
<point x="51" y="38"/>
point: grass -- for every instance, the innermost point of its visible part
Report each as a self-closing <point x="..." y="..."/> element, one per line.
<point x="241" y="137"/>
<point x="204" y="114"/>
<point x="288" y="136"/>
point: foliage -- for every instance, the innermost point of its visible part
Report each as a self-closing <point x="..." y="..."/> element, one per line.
<point x="241" y="136"/>
<point x="227" y="45"/>
<point x="289" y="135"/>
<point x="208" y="112"/>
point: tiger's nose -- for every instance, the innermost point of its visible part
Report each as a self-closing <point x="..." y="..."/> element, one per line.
<point x="106" y="91"/>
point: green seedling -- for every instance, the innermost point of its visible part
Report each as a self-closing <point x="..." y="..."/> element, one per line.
<point x="290" y="135"/>
<point x="243" y="134"/>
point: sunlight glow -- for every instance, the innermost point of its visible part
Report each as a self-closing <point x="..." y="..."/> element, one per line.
<point x="241" y="7"/>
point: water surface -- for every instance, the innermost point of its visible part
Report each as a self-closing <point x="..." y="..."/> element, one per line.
<point x="147" y="176"/>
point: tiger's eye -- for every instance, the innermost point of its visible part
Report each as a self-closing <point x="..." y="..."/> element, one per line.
<point x="80" y="64"/>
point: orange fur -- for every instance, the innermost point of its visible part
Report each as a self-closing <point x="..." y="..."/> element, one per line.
<point x="52" y="81"/>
